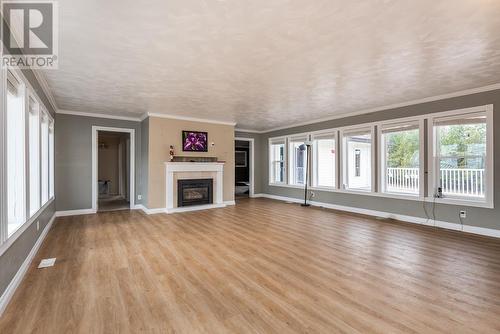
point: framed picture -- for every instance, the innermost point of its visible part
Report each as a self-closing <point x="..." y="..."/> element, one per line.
<point x="194" y="141"/>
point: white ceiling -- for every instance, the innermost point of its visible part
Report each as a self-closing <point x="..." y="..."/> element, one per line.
<point x="269" y="63"/>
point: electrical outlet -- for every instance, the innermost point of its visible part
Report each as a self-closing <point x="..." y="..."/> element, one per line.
<point x="139" y="197"/>
<point x="312" y="194"/>
<point x="463" y="214"/>
<point x="37" y="225"/>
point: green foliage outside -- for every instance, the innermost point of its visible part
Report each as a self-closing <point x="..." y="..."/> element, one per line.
<point x="462" y="143"/>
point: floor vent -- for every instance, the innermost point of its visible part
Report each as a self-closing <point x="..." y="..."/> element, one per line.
<point x="47" y="263"/>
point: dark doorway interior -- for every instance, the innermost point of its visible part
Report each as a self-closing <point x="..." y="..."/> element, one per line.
<point x="242" y="168"/>
<point x="113" y="171"/>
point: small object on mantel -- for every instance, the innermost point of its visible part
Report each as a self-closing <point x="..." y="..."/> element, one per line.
<point x="172" y="153"/>
<point x="194" y="159"/>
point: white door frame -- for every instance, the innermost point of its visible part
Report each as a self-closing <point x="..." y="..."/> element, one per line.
<point x="95" y="162"/>
<point x="251" y="142"/>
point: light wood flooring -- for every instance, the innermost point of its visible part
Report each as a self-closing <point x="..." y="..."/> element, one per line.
<point x="262" y="266"/>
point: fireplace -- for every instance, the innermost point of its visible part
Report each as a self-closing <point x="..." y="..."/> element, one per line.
<point x="194" y="192"/>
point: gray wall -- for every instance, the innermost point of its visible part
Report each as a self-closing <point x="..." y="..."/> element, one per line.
<point x="482" y="217"/>
<point x="73" y="159"/>
<point x="12" y="259"/>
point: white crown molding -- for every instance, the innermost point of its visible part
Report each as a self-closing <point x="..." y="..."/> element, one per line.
<point x="192" y="119"/>
<point x="247" y="130"/>
<point x="40" y="76"/>
<point x="386" y="107"/>
<point x="89" y="114"/>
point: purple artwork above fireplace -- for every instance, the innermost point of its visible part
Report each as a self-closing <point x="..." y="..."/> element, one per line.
<point x="194" y="141"/>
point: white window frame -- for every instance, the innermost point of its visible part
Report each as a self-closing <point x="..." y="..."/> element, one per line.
<point x="418" y="121"/>
<point x="344" y="159"/>
<point x="278" y="141"/>
<point x="433" y="167"/>
<point x="318" y="135"/>
<point x="16" y="75"/>
<point x="5" y="240"/>
<point x="38" y="111"/>
<point x="52" y="190"/>
<point x="302" y="137"/>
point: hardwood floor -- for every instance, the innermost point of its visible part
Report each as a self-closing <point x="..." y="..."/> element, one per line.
<point x="259" y="267"/>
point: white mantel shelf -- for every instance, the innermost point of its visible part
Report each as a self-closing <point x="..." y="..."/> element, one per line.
<point x="181" y="167"/>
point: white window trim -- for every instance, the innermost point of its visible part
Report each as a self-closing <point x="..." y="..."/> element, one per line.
<point x="426" y="191"/>
<point x="488" y="202"/>
<point x="296" y="138"/>
<point x="419" y="121"/>
<point x="5" y="240"/>
<point x="272" y="141"/>
<point x="371" y="127"/>
<point x="3" y="150"/>
<point x="314" y="167"/>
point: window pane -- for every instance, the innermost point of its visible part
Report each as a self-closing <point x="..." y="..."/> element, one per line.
<point x="51" y="160"/>
<point x="358" y="152"/>
<point x="461" y="155"/>
<point x="277" y="163"/>
<point x="298" y="161"/>
<point x="325" y="162"/>
<point x="45" y="159"/>
<point x="402" y="161"/>
<point x="15" y="158"/>
<point x="34" y="156"/>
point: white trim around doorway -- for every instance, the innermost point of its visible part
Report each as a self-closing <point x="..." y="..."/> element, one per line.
<point x="252" y="161"/>
<point x="95" y="158"/>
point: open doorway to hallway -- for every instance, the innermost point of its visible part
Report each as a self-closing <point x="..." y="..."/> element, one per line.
<point x="243" y="153"/>
<point x="113" y="170"/>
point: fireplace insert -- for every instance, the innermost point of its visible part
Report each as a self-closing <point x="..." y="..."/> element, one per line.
<point x="194" y="192"/>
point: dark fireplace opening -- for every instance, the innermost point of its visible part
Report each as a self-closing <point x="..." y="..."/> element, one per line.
<point x="194" y="192"/>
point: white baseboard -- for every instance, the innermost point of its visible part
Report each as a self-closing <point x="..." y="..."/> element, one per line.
<point x="149" y="211"/>
<point x="75" y="212"/>
<point x="410" y="219"/>
<point x="183" y="209"/>
<point x="16" y="281"/>
<point x="195" y="208"/>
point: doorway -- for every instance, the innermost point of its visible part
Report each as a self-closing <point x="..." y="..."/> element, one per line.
<point x="244" y="169"/>
<point x="112" y="169"/>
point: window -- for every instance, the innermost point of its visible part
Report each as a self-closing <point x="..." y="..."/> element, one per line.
<point x="462" y="158"/>
<point x="400" y="149"/>
<point x="298" y="160"/>
<point x="44" y="141"/>
<point x="277" y="159"/>
<point x="15" y="128"/>
<point x="51" y="160"/>
<point x="357" y="159"/>
<point x="324" y="160"/>
<point x="34" y="156"/>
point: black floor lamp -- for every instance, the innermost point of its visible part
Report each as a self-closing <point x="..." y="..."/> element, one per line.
<point x="306" y="147"/>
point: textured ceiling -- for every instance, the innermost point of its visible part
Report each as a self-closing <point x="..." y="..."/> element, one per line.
<point x="269" y="63"/>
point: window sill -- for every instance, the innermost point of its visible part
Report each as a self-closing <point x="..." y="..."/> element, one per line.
<point x="13" y="237"/>
<point x="405" y="197"/>
<point x="459" y="201"/>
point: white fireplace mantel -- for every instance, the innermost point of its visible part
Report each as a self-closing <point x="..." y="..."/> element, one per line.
<point x="181" y="167"/>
